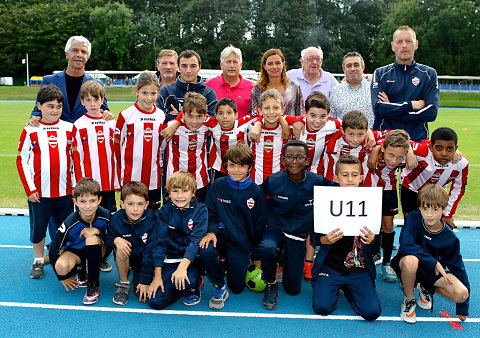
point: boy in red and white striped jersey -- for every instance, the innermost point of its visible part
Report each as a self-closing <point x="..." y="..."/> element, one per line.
<point x="44" y="164"/>
<point x="435" y="166"/>
<point x="187" y="149"/>
<point x="93" y="154"/>
<point x="138" y="140"/>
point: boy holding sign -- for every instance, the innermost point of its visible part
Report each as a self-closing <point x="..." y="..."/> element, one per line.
<point x="345" y="262"/>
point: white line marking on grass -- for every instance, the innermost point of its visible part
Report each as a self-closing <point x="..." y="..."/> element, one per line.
<point x="16" y="246"/>
<point x="220" y="314"/>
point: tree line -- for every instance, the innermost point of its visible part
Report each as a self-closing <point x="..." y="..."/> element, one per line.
<point x="128" y="35"/>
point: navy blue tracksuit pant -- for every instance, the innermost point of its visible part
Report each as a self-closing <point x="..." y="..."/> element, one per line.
<point x="236" y="258"/>
<point x="358" y="288"/>
<point x="273" y="242"/>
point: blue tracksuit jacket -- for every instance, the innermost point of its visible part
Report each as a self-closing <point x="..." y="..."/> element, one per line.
<point x="404" y="84"/>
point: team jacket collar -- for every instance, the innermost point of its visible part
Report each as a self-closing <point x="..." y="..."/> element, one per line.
<point x="239" y="185"/>
<point x="405" y="67"/>
<point x="190" y="86"/>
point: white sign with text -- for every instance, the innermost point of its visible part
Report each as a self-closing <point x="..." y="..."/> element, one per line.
<point x="349" y="209"/>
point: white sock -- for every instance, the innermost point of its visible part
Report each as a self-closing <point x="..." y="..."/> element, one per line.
<point x="127" y="282"/>
<point x="39" y="260"/>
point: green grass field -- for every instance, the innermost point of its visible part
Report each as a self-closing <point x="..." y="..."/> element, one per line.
<point x="13" y="117"/>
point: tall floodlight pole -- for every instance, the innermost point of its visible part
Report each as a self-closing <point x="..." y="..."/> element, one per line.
<point x="28" y="74"/>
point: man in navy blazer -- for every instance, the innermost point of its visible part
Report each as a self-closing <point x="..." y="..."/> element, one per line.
<point x="77" y="52"/>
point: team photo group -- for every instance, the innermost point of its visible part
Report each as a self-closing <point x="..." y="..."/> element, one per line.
<point x="217" y="182"/>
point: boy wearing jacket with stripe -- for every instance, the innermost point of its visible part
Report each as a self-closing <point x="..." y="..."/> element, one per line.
<point x="236" y="222"/>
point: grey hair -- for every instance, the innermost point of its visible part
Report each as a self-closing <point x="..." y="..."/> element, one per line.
<point x="320" y="51"/>
<point x="79" y="39"/>
<point x="230" y="50"/>
<point x="350" y="54"/>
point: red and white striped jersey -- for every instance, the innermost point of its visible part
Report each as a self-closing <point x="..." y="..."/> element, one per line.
<point x="267" y="153"/>
<point x="337" y="147"/>
<point x="187" y="151"/>
<point x="224" y="139"/>
<point x="316" y="141"/>
<point x="430" y="171"/>
<point x="383" y="176"/>
<point x="137" y="146"/>
<point x="92" y="151"/>
<point x="44" y="159"/>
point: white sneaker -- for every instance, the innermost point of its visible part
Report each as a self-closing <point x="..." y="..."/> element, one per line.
<point x="424" y="298"/>
<point x="408" y="311"/>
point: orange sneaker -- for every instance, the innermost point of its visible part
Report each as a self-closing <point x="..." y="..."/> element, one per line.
<point x="307" y="271"/>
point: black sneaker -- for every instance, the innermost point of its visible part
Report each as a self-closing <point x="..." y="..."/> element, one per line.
<point x="270" y="296"/>
<point x="121" y="296"/>
<point x="92" y="294"/>
<point x="105" y="266"/>
<point x="37" y="271"/>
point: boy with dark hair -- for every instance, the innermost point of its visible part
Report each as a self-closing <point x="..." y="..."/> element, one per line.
<point x="93" y="154"/>
<point x="391" y="155"/>
<point x="345" y="262"/>
<point x="289" y="220"/>
<point x="427" y="248"/>
<point x="187" y="149"/>
<point x="181" y="225"/>
<point x="43" y="163"/>
<point x="435" y="166"/>
<point x="130" y="234"/>
<point x="79" y="242"/>
<point x="236" y="221"/>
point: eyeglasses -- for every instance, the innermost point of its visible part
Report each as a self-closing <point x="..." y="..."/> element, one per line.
<point x="313" y="58"/>
<point x="290" y="158"/>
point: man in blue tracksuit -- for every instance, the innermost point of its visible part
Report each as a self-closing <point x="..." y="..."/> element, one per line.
<point x="289" y="220"/>
<point x="236" y="222"/>
<point x="405" y="94"/>
<point x="189" y="63"/>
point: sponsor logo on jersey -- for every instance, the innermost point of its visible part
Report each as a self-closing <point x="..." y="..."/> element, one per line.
<point x="282" y="197"/>
<point x="223" y="201"/>
<point x="192" y="144"/>
<point x="250" y="203"/>
<point x="390" y="81"/>
<point x="84" y="139"/>
<point x="52" y="141"/>
<point x="144" y="237"/>
<point x="415" y="81"/>
<point x="190" y="224"/>
<point x="100" y="136"/>
<point x="311" y="143"/>
<point x="429" y="238"/>
<point x="268" y="146"/>
<point x="148" y="134"/>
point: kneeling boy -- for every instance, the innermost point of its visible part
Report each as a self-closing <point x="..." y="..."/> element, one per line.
<point x="427" y="248"/>
<point x="236" y="224"/>
<point x="130" y="233"/>
<point x="79" y="241"/>
<point x="345" y="262"/>
<point x="181" y="225"/>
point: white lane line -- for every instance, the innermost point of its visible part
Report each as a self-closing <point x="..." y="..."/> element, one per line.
<point x="220" y="314"/>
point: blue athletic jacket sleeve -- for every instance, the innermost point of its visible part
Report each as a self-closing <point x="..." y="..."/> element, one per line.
<point x="200" y="224"/>
<point x="159" y="247"/>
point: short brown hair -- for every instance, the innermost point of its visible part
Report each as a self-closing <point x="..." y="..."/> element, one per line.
<point x="181" y="180"/>
<point x="147" y="78"/>
<point x="134" y="188"/>
<point x="347" y="159"/>
<point x="92" y="88"/>
<point x="49" y="93"/>
<point x="354" y="119"/>
<point x="187" y="54"/>
<point x="86" y="186"/>
<point x="397" y="138"/>
<point x="404" y="28"/>
<point x="195" y="101"/>
<point x="240" y="153"/>
<point x="167" y="52"/>
<point x="318" y="100"/>
<point x="432" y="195"/>
<point x="273" y="93"/>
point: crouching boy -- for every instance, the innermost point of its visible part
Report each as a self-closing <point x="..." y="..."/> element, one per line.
<point x="429" y="257"/>
<point x="79" y="242"/>
<point x="130" y="232"/>
<point x="181" y="225"/>
<point x="345" y="262"/>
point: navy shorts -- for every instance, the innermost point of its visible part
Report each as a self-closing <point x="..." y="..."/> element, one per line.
<point x="56" y="208"/>
<point x="80" y="253"/>
<point x="408" y="198"/>
<point x="426" y="277"/>
<point x="389" y="203"/>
